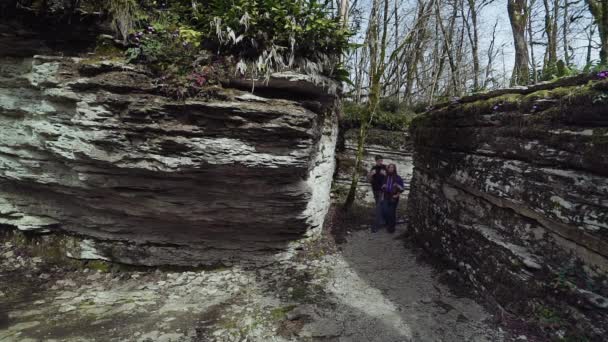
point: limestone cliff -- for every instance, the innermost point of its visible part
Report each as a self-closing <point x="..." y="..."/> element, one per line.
<point x="91" y="149"/>
<point x="512" y="187"/>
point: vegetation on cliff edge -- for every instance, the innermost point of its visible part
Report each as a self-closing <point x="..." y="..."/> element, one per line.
<point x="192" y="44"/>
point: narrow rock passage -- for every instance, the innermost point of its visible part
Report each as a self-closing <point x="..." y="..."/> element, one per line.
<point x="385" y="294"/>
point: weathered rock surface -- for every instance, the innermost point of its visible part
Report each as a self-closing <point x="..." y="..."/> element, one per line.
<point x="91" y="148"/>
<point x="513" y="189"/>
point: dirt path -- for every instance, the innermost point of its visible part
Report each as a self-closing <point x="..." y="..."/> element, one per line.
<point x="386" y="295"/>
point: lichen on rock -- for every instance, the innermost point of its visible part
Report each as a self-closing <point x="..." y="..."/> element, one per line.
<point x="93" y="149"/>
<point x="511" y="187"/>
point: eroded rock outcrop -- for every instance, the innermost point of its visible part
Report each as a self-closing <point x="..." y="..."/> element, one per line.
<point x="92" y="149"/>
<point x="512" y="188"/>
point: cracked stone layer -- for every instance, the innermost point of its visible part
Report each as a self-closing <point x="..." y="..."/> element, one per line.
<point x="94" y="150"/>
<point x="512" y="189"/>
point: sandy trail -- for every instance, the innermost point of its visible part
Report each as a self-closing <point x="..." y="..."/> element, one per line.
<point x="385" y="294"/>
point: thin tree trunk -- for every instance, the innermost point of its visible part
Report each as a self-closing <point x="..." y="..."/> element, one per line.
<point x="377" y="59"/>
<point x="418" y="36"/>
<point x="550" y="60"/>
<point x="447" y="38"/>
<point x="398" y="69"/>
<point x="589" y="46"/>
<point x="473" y="34"/>
<point x="344" y="12"/>
<point x="565" y="32"/>
<point x="491" y="56"/>
<point x="604" y="34"/>
<point x="599" y="10"/>
<point x="531" y="39"/>
<point x="518" y="15"/>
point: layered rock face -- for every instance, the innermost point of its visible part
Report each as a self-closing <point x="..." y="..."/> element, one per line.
<point x="512" y="188"/>
<point x="92" y="149"/>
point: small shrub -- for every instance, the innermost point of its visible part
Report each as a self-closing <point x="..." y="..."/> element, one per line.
<point x="390" y="115"/>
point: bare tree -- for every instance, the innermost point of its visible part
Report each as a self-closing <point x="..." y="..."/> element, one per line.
<point x="379" y="60"/>
<point x="518" y="15"/>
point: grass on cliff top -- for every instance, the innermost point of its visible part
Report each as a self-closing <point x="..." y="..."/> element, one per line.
<point x="193" y="44"/>
<point x="592" y="94"/>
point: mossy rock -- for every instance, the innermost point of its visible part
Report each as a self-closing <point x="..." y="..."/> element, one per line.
<point x="279" y="314"/>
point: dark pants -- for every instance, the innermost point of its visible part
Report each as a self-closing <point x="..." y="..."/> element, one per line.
<point x="385" y="213"/>
<point x="389" y="212"/>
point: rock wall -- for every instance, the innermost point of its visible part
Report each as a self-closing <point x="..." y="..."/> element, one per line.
<point x="91" y="149"/>
<point x="511" y="187"/>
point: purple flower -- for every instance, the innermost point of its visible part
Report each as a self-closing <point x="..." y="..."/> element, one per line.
<point x="150" y="28"/>
<point x="602" y="74"/>
<point x="495" y="107"/>
<point x="139" y="34"/>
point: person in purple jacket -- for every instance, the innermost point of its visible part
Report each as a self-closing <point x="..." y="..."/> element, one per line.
<point x="391" y="190"/>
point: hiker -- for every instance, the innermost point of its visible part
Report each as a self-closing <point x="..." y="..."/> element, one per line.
<point x="391" y="190"/>
<point x="376" y="177"/>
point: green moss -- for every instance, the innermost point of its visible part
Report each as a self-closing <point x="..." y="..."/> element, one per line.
<point x="561" y="92"/>
<point x="537" y="95"/>
<point x="279" y="314"/>
<point x="547" y="315"/>
<point x="299" y="293"/>
<point x="99" y="265"/>
<point x="105" y="50"/>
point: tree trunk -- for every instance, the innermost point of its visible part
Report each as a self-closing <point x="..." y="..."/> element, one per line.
<point x="475" y="45"/>
<point x="550" y="60"/>
<point x="565" y="32"/>
<point x="599" y="10"/>
<point x="531" y="39"/>
<point x="518" y="15"/>
<point x="491" y="56"/>
<point x="344" y="12"/>
<point x="447" y="43"/>
<point x="604" y="34"/>
<point x="377" y="53"/>
<point x="473" y="34"/>
<point x="413" y="57"/>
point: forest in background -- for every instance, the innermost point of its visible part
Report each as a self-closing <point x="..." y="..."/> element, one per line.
<point x="421" y="52"/>
<point x="434" y="50"/>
